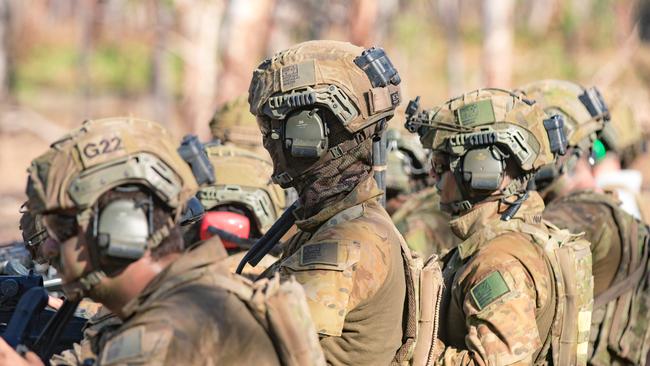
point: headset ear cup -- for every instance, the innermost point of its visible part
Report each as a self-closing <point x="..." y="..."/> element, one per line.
<point x="305" y="135"/>
<point x="122" y="231"/>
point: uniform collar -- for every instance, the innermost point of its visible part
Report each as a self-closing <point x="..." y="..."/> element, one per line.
<point x="198" y="255"/>
<point x="480" y="223"/>
<point x="364" y="191"/>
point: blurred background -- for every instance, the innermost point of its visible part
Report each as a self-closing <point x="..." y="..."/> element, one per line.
<point x="176" y="61"/>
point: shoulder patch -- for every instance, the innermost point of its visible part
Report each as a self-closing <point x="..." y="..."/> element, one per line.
<point x="125" y="346"/>
<point x="320" y="253"/>
<point x="489" y="289"/>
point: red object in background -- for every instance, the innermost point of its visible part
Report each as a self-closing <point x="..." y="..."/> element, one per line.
<point x="234" y="223"/>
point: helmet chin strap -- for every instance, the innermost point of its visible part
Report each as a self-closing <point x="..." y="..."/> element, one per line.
<point x="80" y="288"/>
<point x="513" y="188"/>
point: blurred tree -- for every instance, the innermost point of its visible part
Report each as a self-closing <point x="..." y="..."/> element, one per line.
<point x="540" y="15"/>
<point x="362" y="19"/>
<point x="6" y="59"/>
<point x="199" y="24"/>
<point x="498" y="34"/>
<point x="247" y="30"/>
<point x="160" y="71"/>
<point x="449" y="15"/>
<point x="90" y="13"/>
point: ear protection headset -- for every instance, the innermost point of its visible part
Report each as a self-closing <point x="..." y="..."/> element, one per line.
<point x="305" y="134"/>
<point x="123" y="228"/>
<point x="482" y="168"/>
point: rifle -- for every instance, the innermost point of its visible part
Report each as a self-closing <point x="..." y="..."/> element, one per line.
<point x="26" y="324"/>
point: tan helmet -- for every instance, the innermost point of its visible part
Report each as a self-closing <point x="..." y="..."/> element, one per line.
<point x="291" y="93"/>
<point x="244" y="179"/>
<point x="407" y="162"/>
<point x="477" y="131"/>
<point x="625" y="134"/>
<point x="234" y="123"/>
<point x="104" y="154"/>
<point x="584" y="112"/>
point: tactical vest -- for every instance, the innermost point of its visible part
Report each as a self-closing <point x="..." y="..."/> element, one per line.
<point x="564" y="322"/>
<point x="422" y="303"/>
<point x="620" y="331"/>
<point x="281" y="308"/>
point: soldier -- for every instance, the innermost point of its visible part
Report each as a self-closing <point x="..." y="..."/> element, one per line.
<point x="424" y="225"/>
<point x="319" y="104"/>
<point x="517" y="289"/>
<point x="241" y="205"/>
<point x="407" y="168"/>
<point x="233" y="124"/>
<point x="110" y="195"/>
<point x="619" y="243"/>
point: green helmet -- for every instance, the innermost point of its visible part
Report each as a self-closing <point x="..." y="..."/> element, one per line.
<point x="234" y="123"/>
<point x="584" y="112"/>
<point x="477" y="132"/>
<point x="243" y="179"/>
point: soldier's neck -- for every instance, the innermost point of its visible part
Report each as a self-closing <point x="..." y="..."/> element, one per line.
<point x="117" y="291"/>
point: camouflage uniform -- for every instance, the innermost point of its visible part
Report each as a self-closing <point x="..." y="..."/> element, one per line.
<point x="619" y="328"/>
<point x="517" y="290"/>
<point x="233" y="125"/>
<point x="194" y="311"/>
<point x="424" y="226"/>
<point x="318" y="105"/>
<point x="619" y="332"/>
<point x="158" y="330"/>
<point x="348" y="259"/>
<point x="498" y="289"/>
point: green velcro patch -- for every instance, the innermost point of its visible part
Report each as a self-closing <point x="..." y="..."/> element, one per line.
<point x="477" y="113"/>
<point x="320" y="253"/>
<point x="487" y="291"/>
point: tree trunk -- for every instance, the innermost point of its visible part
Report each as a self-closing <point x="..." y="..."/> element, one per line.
<point x="248" y="27"/>
<point x="199" y="23"/>
<point x="497" y="43"/>
<point x="449" y="15"/>
<point x="160" y="71"/>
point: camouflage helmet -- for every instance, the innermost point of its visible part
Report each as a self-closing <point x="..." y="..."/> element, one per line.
<point x="244" y="179"/>
<point x="583" y="110"/>
<point x="406" y="161"/>
<point x="358" y="86"/>
<point x="234" y="123"/>
<point x="103" y="154"/>
<point x="477" y="131"/>
<point x="628" y="130"/>
<point x="584" y="113"/>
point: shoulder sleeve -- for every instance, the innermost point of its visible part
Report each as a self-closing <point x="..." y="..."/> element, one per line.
<point x="139" y="345"/>
<point x="498" y="296"/>
<point x="326" y="270"/>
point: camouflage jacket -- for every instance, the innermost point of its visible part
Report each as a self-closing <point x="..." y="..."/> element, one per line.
<point x="348" y="259"/>
<point x="184" y="317"/>
<point x="620" y="330"/>
<point x="424" y="227"/>
<point x="497" y="283"/>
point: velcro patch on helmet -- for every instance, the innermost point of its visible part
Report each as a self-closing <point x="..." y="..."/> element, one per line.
<point x="298" y="75"/>
<point x="99" y="149"/>
<point x="477" y="113"/>
<point x="489" y="290"/>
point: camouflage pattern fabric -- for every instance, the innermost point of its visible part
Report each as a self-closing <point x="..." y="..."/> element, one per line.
<point x="620" y="331"/>
<point x="184" y="317"/>
<point x="424" y="227"/>
<point x="96" y="332"/>
<point x="348" y="259"/>
<point x="250" y="272"/>
<point x="498" y="289"/>
<point x="233" y="124"/>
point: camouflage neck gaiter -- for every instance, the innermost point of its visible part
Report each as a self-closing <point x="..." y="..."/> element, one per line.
<point x="332" y="182"/>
